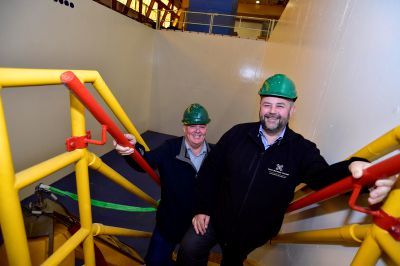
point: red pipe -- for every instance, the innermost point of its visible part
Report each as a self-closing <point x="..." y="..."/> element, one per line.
<point x="386" y="168"/>
<point x="74" y="84"/>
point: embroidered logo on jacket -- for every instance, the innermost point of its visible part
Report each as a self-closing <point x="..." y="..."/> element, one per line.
<point x="278" y="171"/>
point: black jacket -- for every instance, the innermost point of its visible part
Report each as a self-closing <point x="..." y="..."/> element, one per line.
<point x="247" y="189"/>
<point x="177" y="178"/>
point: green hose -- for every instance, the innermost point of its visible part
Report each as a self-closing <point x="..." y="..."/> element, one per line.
<point x="99" y="203"/>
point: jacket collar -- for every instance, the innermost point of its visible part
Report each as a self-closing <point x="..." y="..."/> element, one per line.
<point x="254" y="134"/>
<point x="183" y="154"/>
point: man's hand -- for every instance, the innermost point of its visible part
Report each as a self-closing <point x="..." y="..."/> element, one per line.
<point x="125" y="150"/>
<point x="200" y="223"/>
<point x="381" y="189"/>
<point x="382" y="186"/>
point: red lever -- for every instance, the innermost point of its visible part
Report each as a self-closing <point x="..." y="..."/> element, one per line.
<point x="388" y="223"/>
<point x="381" y="218"/>
<point x="81" y="142"/>
<point x="76" y="86"/>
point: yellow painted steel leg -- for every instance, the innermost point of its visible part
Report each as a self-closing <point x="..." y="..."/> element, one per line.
<point x="97" y="164"/>
<point x="116" y="108"/>
<point x="18" y="77"/>
<point x="349" y="233"/>
<point x="43" y="169"/>
<point x="378" y="239"/>
<point x="389" y="246"/>
<point x="368" y="254"/>
<point x="82" y="181"/>
<point x="73" y="242"/>
<point x="391" y="207"/>
<point x="383" y="145"/>
<point x="11" y="220"/>
<point x="100" y="229"/>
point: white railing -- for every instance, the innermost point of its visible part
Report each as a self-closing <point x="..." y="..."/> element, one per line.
<point x="214" y="23"/>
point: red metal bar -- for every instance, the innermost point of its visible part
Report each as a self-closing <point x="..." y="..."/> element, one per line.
<point x="103" y="137"/>
<point x="386" y="168"/>
<point x="74" y="84"/>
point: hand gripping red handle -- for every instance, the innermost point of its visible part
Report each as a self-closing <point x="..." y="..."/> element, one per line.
<point x="74" y="84"/>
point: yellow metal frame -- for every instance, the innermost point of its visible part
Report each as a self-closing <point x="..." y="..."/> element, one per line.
<point x="373" y="241"/>
<point x="11" y="219"/>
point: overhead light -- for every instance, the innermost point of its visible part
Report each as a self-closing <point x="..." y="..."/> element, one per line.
<point x="257" y="2"/>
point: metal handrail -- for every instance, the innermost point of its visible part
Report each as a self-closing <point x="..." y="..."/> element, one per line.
<point x="185" y="21"/>
<point x="388" y="167"/>
<point x="11" y="218"/>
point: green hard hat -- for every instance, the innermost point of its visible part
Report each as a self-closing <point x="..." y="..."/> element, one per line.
<point x="195" y="114"/>
<point x="279" y="85"/>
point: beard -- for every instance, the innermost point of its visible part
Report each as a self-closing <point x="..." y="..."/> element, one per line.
<point x="276" y="127"/>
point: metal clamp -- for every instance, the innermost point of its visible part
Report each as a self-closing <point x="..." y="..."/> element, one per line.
<point x="81" y="142"/>
<point x="380" y="218"/>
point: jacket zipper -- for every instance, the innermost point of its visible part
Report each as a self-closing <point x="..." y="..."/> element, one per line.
<point x="250" y="185"/>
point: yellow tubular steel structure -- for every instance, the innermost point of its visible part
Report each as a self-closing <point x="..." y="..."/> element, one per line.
<point x="11" y="218"/>
<point x="35" y="173"/>
<point x="100" y="229"/>
<point x="97" y="164"/>
<point x="17" y="77"/>
<point x="68" y="247"/>
<point x="383" y="145"/>
<point x="82" y="181"/>
<point x="353" y="233"/>
<point x="381" y="238"/>
<point x="373" y="240"/>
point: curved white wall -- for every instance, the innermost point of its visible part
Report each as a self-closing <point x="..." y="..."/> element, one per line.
<point x="219" y="72"/>
<point x="345" y="61"/>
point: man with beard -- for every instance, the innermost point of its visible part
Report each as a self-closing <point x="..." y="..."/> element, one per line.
<point x="248" y="180"/>
<point x="178" y="160"/>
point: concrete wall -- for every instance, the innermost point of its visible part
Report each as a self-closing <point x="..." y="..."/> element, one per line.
<point x="46" y="34"/>
<point x="344" y="58"/>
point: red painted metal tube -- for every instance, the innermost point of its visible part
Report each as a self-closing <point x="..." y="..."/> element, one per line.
<point x="83" y="94"/>
<point x="386" y="168"/>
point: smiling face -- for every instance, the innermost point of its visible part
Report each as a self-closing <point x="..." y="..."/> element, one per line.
<point x="275" y="113"/>
<point x="195" y="135"/>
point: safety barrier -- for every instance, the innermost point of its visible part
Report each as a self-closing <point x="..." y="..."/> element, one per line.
<point x="376" y="239"/>
<point x="381" y="237"/>
<point x="240" y="26"/>
<point x="11" y="218"/>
